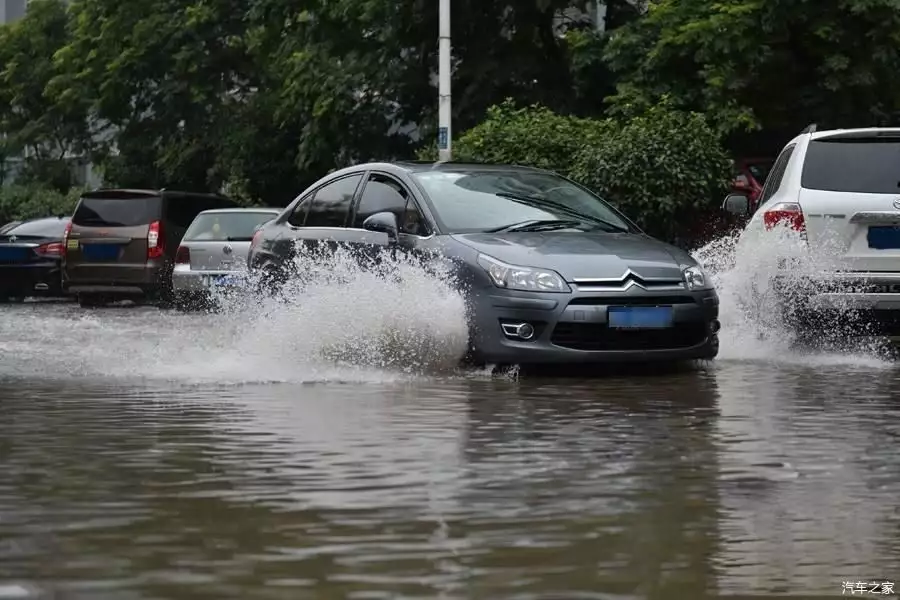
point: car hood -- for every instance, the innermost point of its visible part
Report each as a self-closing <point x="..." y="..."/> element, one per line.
<point x="583" y="255"/>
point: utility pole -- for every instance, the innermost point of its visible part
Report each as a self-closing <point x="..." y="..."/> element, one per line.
<point x="444" y="105"/>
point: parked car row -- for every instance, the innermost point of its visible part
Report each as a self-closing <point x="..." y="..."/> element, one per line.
<point x="127" y="245"/>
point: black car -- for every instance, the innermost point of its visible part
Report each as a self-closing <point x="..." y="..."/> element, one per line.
<point x="555" y="274"/>
<point x="30" y="258"/>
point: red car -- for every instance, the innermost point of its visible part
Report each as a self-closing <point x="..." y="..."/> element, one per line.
<point x="750" y="176"/>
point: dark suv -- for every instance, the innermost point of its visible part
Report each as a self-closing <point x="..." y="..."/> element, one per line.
<point x="121" y="244"/>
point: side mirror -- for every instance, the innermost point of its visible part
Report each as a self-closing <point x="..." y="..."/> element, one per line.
<point x="385" y="222"/>
<point x="737" y="204"/>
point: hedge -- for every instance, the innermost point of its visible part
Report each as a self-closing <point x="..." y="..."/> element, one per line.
<point x="29" y="202"/>
<point x="665" y="169"/>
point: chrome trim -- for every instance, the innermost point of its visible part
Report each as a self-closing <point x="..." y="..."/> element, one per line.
<point x="862" y="276"/>
<point x="628" y="280"/>
<point x="850" y="300"/>
<point x="628" y="285"/>
<point x="296" y="228"/>
<point x="876" y="216"/>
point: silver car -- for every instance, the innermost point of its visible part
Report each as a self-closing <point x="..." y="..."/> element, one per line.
<point x="213" y="252"/>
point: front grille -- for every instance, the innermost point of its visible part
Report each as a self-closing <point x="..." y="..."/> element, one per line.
<point x="631" y="300"/>
<point x="598" y="336"/>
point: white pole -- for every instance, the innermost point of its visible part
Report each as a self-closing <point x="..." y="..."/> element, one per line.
<point x="444" y="131"/>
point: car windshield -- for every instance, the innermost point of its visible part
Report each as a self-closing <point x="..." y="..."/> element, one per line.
<point x="471" y="201"/>
<point x="227" y="226"/>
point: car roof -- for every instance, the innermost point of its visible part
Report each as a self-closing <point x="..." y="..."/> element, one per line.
<point x="419" y="166"/>
<point x="856" y="132"/>
<point x="412" y="166"/>
<point x="135" y="193"/>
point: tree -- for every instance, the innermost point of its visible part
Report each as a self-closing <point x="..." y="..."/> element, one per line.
<point x="160" y="77"/>
<point x="31" y="122"/>
<point x="773" y="64"/>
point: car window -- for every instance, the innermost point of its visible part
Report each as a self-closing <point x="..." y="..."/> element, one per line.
<point x="298" y="216"/>
<point x="331" y="203"/>
<point x="117" y="212"/>
<point x="41" y="227"/>
<point x="226" y="226"/>
<point x="467" y="201"/>
<point x="383" y="193"/>
<point x="869" y="166"/>
<point x="773" y="181"/>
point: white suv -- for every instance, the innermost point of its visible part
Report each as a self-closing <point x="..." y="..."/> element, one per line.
<point x="836" y="194"/>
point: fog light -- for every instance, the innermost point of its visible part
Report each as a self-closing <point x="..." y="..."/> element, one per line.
<point x="522" y="331"/>
<point x="714" y="326"/>
<point x="525" y="331"/>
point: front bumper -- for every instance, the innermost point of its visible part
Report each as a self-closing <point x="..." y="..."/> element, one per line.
<point x="31" y="280"/>
<point x="861" y="303"/>
<point x="573" y="327"/>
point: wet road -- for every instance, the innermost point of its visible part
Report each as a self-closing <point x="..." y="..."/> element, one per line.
<point x="156" y="455"/>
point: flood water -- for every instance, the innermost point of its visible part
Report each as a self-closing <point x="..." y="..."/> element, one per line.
<point x="744" y="476"/>
<point x="295" y="452"/>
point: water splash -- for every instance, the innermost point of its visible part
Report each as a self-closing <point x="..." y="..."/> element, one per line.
<point x="341" y="322"/>
<point x="760" y="280"/>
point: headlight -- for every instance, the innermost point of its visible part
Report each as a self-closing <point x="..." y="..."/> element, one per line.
<point x="512" y="277"/>
<point x="696" y="279"/>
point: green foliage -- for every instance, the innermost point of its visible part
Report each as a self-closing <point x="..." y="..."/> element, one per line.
<point x="19" y="202"/>
<point x="773" y="64"/>
<point x="663" y="168"/>
<point x="533" y="136"/>
<point x="30" y="119"/>
<point x="666" y="169"/>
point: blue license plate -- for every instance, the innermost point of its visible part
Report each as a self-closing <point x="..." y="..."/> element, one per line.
<point x="100" y="251"/>
<point x="226" y="280"/>
<point x="9" y="255"/>
<point x="640" y="317"/>
<point x="884" y="238"/>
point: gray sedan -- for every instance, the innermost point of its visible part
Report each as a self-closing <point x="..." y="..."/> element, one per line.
<point x="554" y="273"/>
<point x="213" y="252"/>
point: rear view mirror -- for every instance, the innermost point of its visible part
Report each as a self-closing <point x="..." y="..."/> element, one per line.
<point x="737" y="204"/>
<point x="385" y="222"/>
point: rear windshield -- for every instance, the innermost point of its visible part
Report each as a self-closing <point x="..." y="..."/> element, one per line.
<point x="117" y="212"/>
<point x="867" y="166"/>
<point x="43" y="228"/>
<point x="223" y="227"/>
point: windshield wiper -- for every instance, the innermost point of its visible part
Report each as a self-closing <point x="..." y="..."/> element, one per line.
<point x="549" y="203"/>
<point x="536" y="225"/>
<point x="242" y="238"/>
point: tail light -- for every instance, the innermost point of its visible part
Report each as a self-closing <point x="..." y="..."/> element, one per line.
<point x="65" y="238"/>
<point x="788" y="213"/>
<point x="155" y="241"/>
<point x="255" y="240"/>
<point x="51" y="249"/>
<point x="183" y="256"/>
